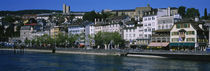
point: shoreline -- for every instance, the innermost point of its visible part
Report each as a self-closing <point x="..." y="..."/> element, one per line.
<point x="145" y="54"/>
<point x="63" y="51"/>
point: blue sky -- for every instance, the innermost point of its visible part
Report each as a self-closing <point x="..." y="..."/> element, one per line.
<point x="88" y="5"/>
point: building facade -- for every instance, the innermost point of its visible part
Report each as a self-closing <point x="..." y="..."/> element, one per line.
<point x="188" y="35"/>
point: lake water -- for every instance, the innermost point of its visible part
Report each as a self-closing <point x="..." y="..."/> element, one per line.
<point x="32" y="61"/>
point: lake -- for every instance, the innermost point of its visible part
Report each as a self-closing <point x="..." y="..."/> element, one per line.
<point x="34" y="61"/>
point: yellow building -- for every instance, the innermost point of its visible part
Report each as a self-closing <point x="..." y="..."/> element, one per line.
<point x="54" y="31"/>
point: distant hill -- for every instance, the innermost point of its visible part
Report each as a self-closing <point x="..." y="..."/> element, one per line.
<point x="22" y="12"/>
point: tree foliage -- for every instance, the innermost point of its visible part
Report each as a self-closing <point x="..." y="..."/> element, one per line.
<point x="60" y="40"/>
<point x="189" y="13"/>
<point x="182" y="11"/>
<point x="90" y="16"/>
<point x="192" y="13"/>
<point x="102" y="38"/>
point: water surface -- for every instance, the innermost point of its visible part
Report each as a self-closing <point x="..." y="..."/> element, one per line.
<point x="33" y="61"/>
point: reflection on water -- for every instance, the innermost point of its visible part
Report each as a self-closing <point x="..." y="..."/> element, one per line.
<point x="69" y="62"/>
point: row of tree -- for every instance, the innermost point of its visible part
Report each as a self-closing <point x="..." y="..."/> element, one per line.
<point x="188" y="12"/>
<point x="61" y="40"/>
<point x="192" y="13"/>
<point x="101" y="40"/>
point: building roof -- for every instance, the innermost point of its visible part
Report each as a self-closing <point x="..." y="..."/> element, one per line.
<point x="194" y="24"/>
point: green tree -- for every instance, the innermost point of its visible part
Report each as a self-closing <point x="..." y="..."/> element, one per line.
<point x="205" y="14"/>
<point x="27" y="42"/>
<point x="182" y="11"/>
<point x="192" y="13"/>
<point x="8" y="19"/>
<point x="2" y="34"/>
<point x="90" y="16"/>
<point x="105" y="38"/>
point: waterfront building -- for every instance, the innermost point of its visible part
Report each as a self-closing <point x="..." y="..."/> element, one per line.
<point x="207" y="24"/>
<point x="76" y="29"/>
<point x="131" y="32"/>
<point x="25" y="33"/>
<point x="54" y="31"/>
<point x="188" y="35"/>
<point x="160" y="39"/>
<point x="150" y="23"/>
<point x="158" y="19"/>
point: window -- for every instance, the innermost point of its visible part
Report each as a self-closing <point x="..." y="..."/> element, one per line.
<point x="134" y="35"/>
<point x="145" y="24"/>
<point x="153" y="18"/>
<point x="178" y="26"/>
<point x="186" y="25"/>
<point x="175" y="33"/>
<point x="163" y="27"/>
<point x="149" y="24"/>
<point x="145" y="30"/>
<point x="145" y="19"/>
<point x="149" y="30"/>
<point x="191" y="39"/>
<point x="190" y="33"/>
<point x="166" y="26"/>
<point x="164" y="21"/>
<point x="153" y="29"/>
<point x="159" y="27"/>
<point x="145" y="35"/>
<point x="183" y="26"/>
<point x="149" y="18"/>
<point x="175" y="39"/>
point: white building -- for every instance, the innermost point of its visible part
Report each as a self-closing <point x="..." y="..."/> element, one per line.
<point x="159" y="19"/>
<point x="150" y="24"/>
<point x="76" y="29"/>
<point x="132" y="31"/>
<point x="165" y="22"/>
<point x="189" y="35"/>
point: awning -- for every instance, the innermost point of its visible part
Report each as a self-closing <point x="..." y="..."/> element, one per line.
<point x="182" y="44"/>
<point x="155" y="44"/>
